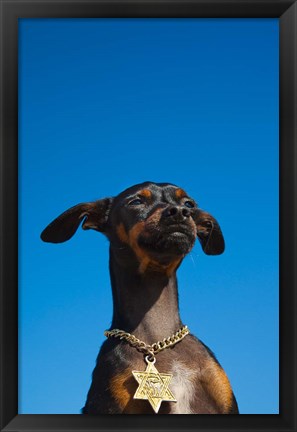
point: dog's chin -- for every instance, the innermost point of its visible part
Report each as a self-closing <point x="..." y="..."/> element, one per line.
<point x="171" y="245"/>
<point x="177" y="243"/>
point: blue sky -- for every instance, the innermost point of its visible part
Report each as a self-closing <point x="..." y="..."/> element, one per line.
<point x="105" y="104"/>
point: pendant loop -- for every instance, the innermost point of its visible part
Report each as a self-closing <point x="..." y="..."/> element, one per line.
<point x="150" y="359"/>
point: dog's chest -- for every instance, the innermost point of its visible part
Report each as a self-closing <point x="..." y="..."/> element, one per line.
<point x="183" y="387"/>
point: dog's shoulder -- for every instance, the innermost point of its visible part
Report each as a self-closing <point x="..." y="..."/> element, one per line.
<point x="209" y="374"/>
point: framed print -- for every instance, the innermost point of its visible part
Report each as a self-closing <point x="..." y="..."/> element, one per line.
<point x="167" y="132"/>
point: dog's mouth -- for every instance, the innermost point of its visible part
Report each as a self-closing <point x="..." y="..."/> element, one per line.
<point x="177" y="228"/>
<point x="172" y="240"/>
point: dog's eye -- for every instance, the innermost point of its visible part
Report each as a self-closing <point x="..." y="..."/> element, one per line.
<point x="189" y="204"/>
<point x="135" y="202"/>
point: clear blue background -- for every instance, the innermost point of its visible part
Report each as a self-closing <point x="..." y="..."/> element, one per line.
<point x="107" y="103"/>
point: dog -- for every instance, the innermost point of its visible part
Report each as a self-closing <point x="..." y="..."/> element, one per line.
<point x="150" y="362"/>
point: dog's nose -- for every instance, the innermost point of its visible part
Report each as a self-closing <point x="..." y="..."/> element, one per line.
<point x="176" y="212"/>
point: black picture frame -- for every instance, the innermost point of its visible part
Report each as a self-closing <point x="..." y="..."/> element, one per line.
<point x="11" y="11"/>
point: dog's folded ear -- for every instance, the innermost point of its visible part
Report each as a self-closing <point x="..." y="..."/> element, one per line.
<point x="93" y="214"/>
<point x="209" y="234"/>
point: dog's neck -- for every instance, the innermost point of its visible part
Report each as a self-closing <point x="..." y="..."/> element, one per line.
<point x="144" y="304"/>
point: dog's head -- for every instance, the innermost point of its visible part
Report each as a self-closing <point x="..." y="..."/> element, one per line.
<point x="158" y="222"/>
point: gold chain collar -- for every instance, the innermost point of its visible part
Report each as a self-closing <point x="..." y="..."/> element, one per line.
<point x="149" y="350"/>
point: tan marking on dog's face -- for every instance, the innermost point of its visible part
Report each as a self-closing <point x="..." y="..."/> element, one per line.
<point x="142" y="255"/>
<point x="121" y="387"/>
<point x="131" y="238"/>
<point x="180" y="193"/>
<point x="122" y="234"/>
<point x="218" y="385"/>
<point x="146" y="193"/>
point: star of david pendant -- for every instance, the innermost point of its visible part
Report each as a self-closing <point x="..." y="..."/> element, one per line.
<point x="153" y="386"/>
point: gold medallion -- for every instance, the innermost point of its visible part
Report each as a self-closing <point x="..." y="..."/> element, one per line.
<point x="153" y="386"/>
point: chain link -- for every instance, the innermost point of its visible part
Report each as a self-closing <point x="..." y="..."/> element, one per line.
<point x="150" y="350"/>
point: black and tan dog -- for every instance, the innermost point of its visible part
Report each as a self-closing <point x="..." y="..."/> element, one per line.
<point x="151" y="227"/>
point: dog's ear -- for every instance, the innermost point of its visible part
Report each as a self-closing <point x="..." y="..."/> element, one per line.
<point x="209" y="234"/>
<point x="94" y="216"/>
